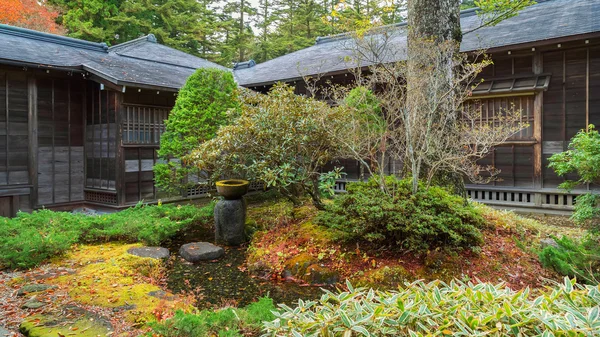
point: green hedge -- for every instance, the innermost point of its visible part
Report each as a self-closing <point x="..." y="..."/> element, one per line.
<point x="439" y="309"/>
<point x="32" y="238"/>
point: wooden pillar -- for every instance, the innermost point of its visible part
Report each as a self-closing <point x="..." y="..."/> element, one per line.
<point x="119" y="150"/>
<point x="538" y="105"/>
<point x="587" y="89"/>
<point x="32" y="116"/>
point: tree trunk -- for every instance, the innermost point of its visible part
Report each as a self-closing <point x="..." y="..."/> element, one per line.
<point x="315" y="194"/>
<point x="242" y="38"/>
<point x="429" y="22"/>
<point x="434" y="19"/>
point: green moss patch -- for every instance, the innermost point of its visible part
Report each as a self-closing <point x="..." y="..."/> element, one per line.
<point x="108" y="276"/>
<point x="70" y="320"/>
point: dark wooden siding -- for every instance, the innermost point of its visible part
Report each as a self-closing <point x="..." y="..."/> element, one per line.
<point x="571" y="102"/>
<point x="60" y="108"/>
<point x="14" y="124"/>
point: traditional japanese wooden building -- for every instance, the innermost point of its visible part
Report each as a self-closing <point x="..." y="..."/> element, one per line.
<point x="80" y="122"/>
<point x="546" y="62"/>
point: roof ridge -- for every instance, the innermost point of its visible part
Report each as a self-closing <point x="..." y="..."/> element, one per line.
<point x="149" y="38"/>
<point x="341" y="36"/>
<point x="52" y="38"/>
<point x="152" y="38"/>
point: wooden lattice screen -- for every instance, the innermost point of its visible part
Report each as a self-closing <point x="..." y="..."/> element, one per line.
<point x="490" y="108"/>
<point x="143" y="124"/>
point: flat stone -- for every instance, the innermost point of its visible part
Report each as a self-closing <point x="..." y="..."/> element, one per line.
<point x="33" y="288"/>
<point x="4" y="332"/>
<point x="151" y="252"/>
<point x="64" y="322"/>
<point x="200" y="251"/>
<point x="162" y="295"/>
<point x="549" y="242"/>
<point x="318" y="274"/>
<point x="230" y="222"/>
<point x="33" y="304"/>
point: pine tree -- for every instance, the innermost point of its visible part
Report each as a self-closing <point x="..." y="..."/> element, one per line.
<point x="239" y="36"/>
<point x="266" y="19"/>
<point x="89" y="19"/>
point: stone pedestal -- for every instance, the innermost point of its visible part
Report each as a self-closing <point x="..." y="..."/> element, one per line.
<point x="230" y="219"/>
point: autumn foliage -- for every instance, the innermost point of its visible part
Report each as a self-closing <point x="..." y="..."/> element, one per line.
<point x="32" y="14"/>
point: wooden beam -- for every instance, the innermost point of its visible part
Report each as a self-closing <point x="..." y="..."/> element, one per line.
<point x="6" y="129"/>
<point x="32" y="116"/>
<point x="538" y="106"/>
<point x="53" y="141"/>
<point x="69" y="136"/>
<point x="587" y="89"/>
<point x="119" y="155"/>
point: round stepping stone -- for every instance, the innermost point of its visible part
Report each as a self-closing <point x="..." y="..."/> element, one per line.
<point x="33" y="288"/>
<point x="162" y="295"/>
<point x="33" y="304"/>
<point x="200" y="251"/>
<point x="151" y="252"/>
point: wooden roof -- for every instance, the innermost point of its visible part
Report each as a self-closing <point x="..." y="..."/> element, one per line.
<point x="140" y="63"/>
<point x="539" y="23"/>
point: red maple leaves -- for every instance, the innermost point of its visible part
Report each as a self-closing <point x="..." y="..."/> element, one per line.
<point x="32" y="14"/>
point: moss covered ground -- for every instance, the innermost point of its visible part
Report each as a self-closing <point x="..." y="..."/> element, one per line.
<point x="294" y="242"/>
<point x="287" y="245"/>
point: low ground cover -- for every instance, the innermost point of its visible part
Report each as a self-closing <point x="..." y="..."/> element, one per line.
<point x="440" y="309"/>
<point x="225" y="322"/>
<point x="30" y="239"/>
<point x="102" y="282"/>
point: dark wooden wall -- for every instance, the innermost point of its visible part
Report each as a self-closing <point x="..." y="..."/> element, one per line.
<point x="15" y="175"/>
<point x="14" y="126"/>
<point x="571" y="103"/>
<point x="60" y="110"/>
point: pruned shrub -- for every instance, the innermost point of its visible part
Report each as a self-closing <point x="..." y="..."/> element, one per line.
<point x="202" y="107"/>
<point x="574" y="258"/>
<point x="431" y="218"/>
<point x="439" y="309"/>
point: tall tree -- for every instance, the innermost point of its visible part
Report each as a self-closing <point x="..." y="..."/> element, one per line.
<point x="89" y="19"/>
<point x="239" y="35"/>
<point x="435" y="25"/>
<point x="177" y="23"/>
<point x="266" y="19"/>
<point x="32" y="14"/>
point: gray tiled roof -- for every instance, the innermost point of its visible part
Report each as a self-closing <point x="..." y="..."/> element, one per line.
<point x="141" y="62"/>
<point x="546" y="20"/>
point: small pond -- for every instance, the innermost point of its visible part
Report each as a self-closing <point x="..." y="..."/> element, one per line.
<point x="225" y="282"/>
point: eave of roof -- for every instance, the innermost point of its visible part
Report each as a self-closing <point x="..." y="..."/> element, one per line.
<point x="128" y="64"/>
<point x="542" y="23"/>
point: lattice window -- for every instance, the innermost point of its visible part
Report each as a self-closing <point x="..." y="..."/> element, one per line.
<point x="143" y="124"/>
<point x="490" y="108"/>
